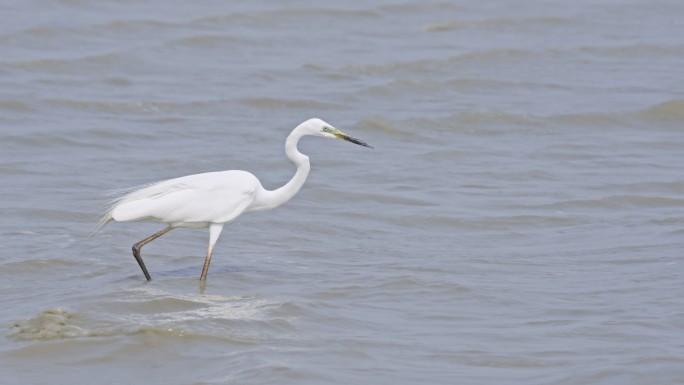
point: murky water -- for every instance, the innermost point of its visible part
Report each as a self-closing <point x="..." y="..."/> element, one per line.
<point x="520" y="221"/>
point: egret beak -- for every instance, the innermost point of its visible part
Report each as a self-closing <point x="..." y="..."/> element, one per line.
<point x="341" y="135"/>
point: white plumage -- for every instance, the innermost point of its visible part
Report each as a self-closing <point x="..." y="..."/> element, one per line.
<point x="215" y="198"/>
<point x="181" y="202"/>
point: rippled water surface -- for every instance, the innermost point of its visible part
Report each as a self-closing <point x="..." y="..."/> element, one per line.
<point x="520" y="220"/>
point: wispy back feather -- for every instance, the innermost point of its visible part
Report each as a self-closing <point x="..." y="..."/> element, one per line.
<point x="121" y="195"/>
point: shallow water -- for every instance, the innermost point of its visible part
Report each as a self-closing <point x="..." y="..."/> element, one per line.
<point x="520" y="220"/>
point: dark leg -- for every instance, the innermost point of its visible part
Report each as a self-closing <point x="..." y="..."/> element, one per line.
<point x="205" y="269"/>
<point x="139" y="245"/>
<point x="214" y="233"/>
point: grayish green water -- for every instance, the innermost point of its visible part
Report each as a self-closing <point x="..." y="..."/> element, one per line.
<point x="520" y="221"/>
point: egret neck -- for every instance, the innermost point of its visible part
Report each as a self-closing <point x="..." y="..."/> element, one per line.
<point x="269" y="199"/>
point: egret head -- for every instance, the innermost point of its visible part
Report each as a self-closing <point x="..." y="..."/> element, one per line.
<point x="319" y="127"/>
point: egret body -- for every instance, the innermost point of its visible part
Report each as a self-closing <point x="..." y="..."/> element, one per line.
<point x="215" y="198"/>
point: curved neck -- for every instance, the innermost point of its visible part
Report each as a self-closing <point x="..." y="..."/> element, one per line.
<point x="279" y="196"/>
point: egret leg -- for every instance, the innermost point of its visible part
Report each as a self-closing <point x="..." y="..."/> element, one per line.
<point x="139" y="245"/>
<point x="214" y="233"/>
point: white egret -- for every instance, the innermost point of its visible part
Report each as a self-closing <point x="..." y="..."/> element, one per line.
<point x="215" y="198"/>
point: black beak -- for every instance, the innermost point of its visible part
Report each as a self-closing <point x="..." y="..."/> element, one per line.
<point x="353" y="140"/>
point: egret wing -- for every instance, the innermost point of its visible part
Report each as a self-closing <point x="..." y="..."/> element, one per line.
<point x="215" y="197"/>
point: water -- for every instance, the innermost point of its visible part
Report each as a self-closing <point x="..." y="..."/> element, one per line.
<point x="520" y="221"/>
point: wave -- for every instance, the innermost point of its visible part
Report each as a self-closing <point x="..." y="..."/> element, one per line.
<point x="270" y="103"/>
<point x="635" y="50"/>
<point x="385" y="126"/>
<point x="498" y="23"/>
<point x="667" y="112"/>
<point x="493" y="117"/>
<point x="47" y="325"/>
<point x="205" y="42"/>
<point x="144" y="107"/>
<point x="149" y="309"/>
<point x="618" y="202"/>
<point x="386" y="197"/>
<point x="282" y="15"/>
<point x="60" y="324"/>
<point x="411" y="8"/>
<point x="591" y="119"/>
<point x="133" y="25"/>
<point x="76" y="65"/>
<point x="487" y="123"/>
<point x="422" y="66"/>
<point x="15" y="106"/>
<point x="496" y="122"/>
<point x="485" y="223"/>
